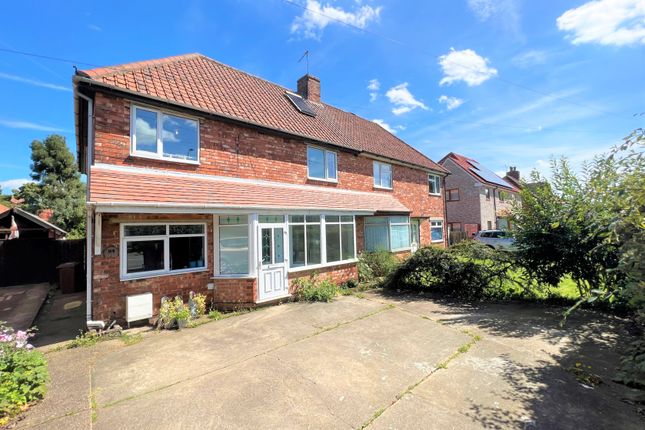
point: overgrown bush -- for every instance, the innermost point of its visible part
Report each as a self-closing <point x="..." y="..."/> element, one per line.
<point x="314" y="290"/>
<point x="468" y="270"/>
<point x="376" y="265"/>
<point x="23" y="373"/>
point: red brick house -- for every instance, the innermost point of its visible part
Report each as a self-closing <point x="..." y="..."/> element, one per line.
<point x="205" y="178"/>
<point x="476" y="198"/>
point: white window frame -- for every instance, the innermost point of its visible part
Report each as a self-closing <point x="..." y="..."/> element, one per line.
<point x="216" y="237"/>
<point x="326" y="153"/>
<point x="436" y="179"/>
<point x="443" y="229"/>
<point x="377" y="167"/>
<point x="340" y="223"/>
<point x="159" y="155"/>
<point x="389" y="232"/>
<point x="124" y="240"/>
<point x="323" y="243"/>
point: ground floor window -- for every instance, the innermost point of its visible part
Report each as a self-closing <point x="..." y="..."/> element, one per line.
<point x="436" y="231"/>
<point x="148" y="249"/>
<point x="233" y="244"/>
<point x="316" y="239"/>
<point x="383" y="233"/>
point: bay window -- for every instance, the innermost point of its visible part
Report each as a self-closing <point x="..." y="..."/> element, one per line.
<point x="233" y="245"/>
<point x="156" y="249"/>
<point x="157" y="134"/>
<point x="382" y="175"/>
<point x="387" y="233"/>
<point x="321" y="164"/>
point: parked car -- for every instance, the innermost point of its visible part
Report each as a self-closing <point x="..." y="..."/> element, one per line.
<point x="496" y="239"/>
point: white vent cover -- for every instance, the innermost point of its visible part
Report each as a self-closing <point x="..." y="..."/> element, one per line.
<point x="138" y="307"/>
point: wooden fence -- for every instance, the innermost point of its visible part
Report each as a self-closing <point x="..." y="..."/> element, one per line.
<point x="28" y="261"/>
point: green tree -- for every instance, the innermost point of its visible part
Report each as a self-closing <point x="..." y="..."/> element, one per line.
<point x="58" y="187"/>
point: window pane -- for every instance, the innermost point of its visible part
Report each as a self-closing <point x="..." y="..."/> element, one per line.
<point x="233" y="219"/>
<point x="333" y="242"/>
<point x="347" y="218"/>
<point x="400" y="236"/>
<point x="179" y="137"/>
<point x="347" y="232"/>
<point x="233" y="249"/>
<point x="271" y="219"/>
<point x="331" y="165"/>
<point x="297" y="244"/>
<point x="316" y="163"/>
<point x="436" y="231"/>
<point x="144" y="230"/>
<point x="267" y="246"/>
<point x="145" y="256"/>
<point x="414" y="231"/>
<point x="186" y="229"/>
<point x="186" y="252"/>
<point x="376" y="237"/>
<point x="313" y="218"/>
<point x="296" y="218"/>
<point x="332" y="218"/>
<point x="278" y="245"/>
<point x="145" y="130"/>
<point x="399" y="219"/>
<point x="313" y="244"/>
<point x="386" y="175"/>
<point x="376" y="220"/>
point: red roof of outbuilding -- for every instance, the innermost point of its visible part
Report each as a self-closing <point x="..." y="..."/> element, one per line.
<point x="147" y="187"/>
<point x="3" y="208"/>
<point x="196" y="81"/>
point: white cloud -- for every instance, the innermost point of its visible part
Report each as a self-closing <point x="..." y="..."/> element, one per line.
<point x="465" y="66"/>
<point x="373" y="86"/>
<point x="385" y="125"/>
<point x="607" y="22"/>
<point x="316" y="17"/>
<point x="403" y="100"/>
<point x="94" y="27"/>
<point x="33" y="82"/>
<point x="451" y="102"/>
<point x="29" y="126"/>
<point x="505" y="12"/>
<point x="529" y="58"/>
<point x="9" y="185"/>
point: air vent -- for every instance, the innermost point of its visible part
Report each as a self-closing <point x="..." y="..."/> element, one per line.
<point x="301" y="104"/>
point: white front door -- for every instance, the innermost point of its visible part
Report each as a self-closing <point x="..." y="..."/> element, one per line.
<point x="272" y="276"/>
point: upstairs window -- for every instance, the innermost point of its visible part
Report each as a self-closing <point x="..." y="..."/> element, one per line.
<point x="434" y="184"/>
<point x="382" y="175"/>
<point x="157" y="134"/>
<point x="321" y="164"/>
<point x="487" y="193"/>
<point x="452" y="195"/>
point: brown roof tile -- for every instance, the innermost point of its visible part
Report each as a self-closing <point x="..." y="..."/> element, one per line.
<point x="198" y="81"/>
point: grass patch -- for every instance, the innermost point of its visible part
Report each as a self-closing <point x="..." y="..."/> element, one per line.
<point x="91" y="338"/>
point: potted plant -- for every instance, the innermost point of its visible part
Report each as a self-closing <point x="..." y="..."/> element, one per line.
<point x="182" y="315"/>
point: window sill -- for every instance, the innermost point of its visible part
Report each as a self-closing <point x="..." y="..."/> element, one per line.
<point x="330" y="181"/>
<point x="165" y="159"/>
<point x="437" y="195"/>
<point x="321" y="266"/>
<point x="376" y="187"/>
<point x="160" y="274"/>
<point x="233" y="277"/>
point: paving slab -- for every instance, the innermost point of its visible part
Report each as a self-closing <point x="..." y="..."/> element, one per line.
<point x="20" y="304"/>
<point x="60" y="319"/>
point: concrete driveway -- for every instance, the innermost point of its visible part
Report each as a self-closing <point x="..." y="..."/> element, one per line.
<point x="377" y="362"/>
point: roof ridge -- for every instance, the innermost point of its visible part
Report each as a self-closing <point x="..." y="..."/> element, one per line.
<point x="145" y="64"/>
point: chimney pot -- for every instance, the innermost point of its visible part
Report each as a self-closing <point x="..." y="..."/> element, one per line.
<point x="309" y="88"/>
<point x="513" y="173"/>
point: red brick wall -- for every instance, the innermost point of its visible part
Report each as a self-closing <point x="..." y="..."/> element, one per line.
<point x="338" y="274"/>
<point x="230" y="150"/>
<point x="233" y="293"/>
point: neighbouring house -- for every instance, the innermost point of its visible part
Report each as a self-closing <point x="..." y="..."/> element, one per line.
<point x="204" y="178"/>
<point x="476" y="198"/>
<point x="26" y="225"/>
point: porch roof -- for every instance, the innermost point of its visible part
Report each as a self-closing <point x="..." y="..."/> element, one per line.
<point x="151" y="190"/>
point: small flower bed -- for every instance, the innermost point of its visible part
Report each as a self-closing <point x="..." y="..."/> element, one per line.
<point x="23" y="372"/>
<point x="174" y="313"/>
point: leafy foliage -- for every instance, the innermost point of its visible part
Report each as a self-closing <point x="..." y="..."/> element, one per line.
<point x="376" y="265"/>
<point x="58" y="185"/>
<point x="23" y="372"/>
<point x="314" y="290"/>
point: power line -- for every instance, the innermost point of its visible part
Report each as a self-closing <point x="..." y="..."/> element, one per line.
<point x="47" y="57"/>
<point x="401" y="43"/>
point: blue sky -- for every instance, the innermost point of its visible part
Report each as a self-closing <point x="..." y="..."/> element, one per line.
<point x="507" y="82"/>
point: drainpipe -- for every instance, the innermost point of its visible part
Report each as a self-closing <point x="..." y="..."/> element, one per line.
<point x="495" y="206"/>
<point x="89" y="217"/>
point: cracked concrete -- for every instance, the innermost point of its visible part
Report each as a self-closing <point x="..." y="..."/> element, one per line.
<point x="381" y="362"/>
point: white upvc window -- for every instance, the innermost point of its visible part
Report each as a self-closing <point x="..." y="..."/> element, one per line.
<point x="387" y="233"/>
<point x="162" y="249"/>
<point x="322" y="164"/>
<point x="321" y="240"/>
<point x="233" y="244"/>
<point x="339" y="238"/>
<point x="382" y="175"/>
<point x="434" y="184"/>
<point x="162" y="135"/>
<point x="436" y="230"/>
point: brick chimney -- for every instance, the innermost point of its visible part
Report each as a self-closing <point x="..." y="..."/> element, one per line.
<point x="309" y="88"/>
<point x="513" y="173"/>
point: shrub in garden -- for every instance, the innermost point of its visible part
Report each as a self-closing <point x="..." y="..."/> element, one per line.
<point x="313" y="290"/>
<point x="376" y="265"/>
<point x="23" y="373"/>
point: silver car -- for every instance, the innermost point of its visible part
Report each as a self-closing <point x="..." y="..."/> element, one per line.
<point x="496" y="239"/>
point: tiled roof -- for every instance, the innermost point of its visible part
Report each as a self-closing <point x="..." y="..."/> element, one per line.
<point x="3" y="208"/>
<point x="195" y="80"/>
<point x="469" y="163"/>
<point x="149" y="187"/>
